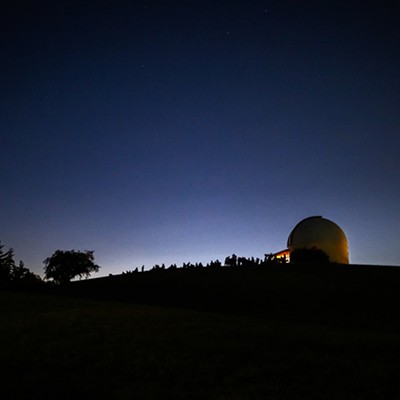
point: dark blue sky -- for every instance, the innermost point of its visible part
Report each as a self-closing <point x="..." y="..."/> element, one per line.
<point x="175" y="131"/>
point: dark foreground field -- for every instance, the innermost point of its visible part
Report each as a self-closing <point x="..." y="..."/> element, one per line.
<point x="65" y="347"/>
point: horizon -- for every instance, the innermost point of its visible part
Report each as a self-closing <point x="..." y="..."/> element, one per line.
<point x="158" y="133"/>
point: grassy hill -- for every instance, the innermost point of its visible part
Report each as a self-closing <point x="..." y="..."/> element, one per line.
<point x="225" y="334"/>
<point x="333" y="294"/>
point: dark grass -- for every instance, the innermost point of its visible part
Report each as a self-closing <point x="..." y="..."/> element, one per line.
<point x="64" y="347"/>
<point x="357" y="296"/>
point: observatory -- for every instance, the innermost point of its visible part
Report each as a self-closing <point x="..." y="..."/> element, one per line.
<point x="317" y="233"/>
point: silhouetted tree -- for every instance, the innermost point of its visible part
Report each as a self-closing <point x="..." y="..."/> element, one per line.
<point x="20" y="271"/>
<point x="22" y="277"/>
<point x="63" y="266"/>
<point x="6" y="264"/>
<point x="309" y="256"/>
<point x="14" y="276"/>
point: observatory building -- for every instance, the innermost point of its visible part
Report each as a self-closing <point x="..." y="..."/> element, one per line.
<point x="317" y="233"/>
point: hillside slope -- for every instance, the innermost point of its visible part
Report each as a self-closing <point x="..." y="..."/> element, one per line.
<point x="334" y="294"/>
<point x="53" y="347"/>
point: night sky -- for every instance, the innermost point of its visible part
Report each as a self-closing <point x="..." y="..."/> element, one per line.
<point x="173" y="131"/>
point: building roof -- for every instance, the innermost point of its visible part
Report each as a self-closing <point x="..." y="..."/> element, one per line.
<point x="316" y="229"/>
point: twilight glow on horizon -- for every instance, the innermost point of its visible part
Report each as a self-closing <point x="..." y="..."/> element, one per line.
<point x="167" y="132"/>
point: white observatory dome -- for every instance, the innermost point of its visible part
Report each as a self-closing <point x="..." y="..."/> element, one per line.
<point x="322" y="234"/>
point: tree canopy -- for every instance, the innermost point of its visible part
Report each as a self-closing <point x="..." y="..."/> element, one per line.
<point x="13" y="275"/>
<point x="7" y="264"/>
<point x="63" y="266"/>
